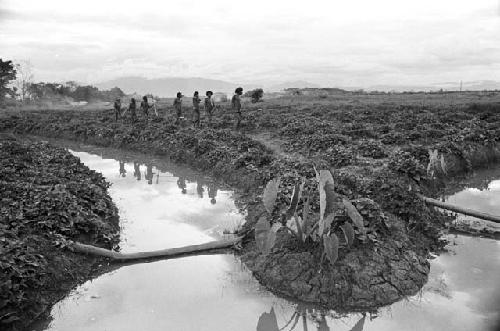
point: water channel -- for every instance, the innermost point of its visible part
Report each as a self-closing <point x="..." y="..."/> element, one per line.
<point x="162" y="205"/>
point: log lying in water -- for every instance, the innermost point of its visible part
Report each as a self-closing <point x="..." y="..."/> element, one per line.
<point x="164" y="253"/>
<point x="461" y="210"/>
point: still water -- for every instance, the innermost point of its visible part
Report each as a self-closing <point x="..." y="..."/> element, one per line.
<point x="162" y="205"/>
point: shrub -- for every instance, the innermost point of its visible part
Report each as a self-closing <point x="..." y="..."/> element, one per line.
<point x="256" y="95"/>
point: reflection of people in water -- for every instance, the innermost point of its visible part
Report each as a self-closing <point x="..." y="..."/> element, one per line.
<point x="269" y="322"/>
<point x="322" y="325"/>
<point x="122" y="168"/>
<point x="212" y="192"/>
<point x="137" y="170"/>
<point x="149" y="173"/>
<point x="181" y="183"/>
<point x="199" y="187"/>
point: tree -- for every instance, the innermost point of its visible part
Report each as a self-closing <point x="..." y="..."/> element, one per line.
<point x="256" y="94"/>
<point x="24" y="79"/>
<point x="86" y="93"/>
<point x="7" y="73"/>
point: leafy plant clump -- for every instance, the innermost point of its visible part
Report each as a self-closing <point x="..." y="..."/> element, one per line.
<point x="326" y="230"/>
<point x="255" y="95"/>
<point x="47" y="198"/>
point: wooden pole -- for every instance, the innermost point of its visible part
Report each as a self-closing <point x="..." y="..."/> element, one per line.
<point x="458" y="209"/>
<point x="164" y="253"/>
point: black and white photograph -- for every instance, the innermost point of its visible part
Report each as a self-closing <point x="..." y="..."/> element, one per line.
<point x="254" y="165"/>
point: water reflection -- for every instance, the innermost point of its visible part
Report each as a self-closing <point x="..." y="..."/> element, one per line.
<point x="149" y="173"/>
<point x="153" y="174"/>
<point x="482" y="193"/>
<point x="137" y="170"/>
<point x="212" y="192"/>
<point x="199" y="187"/>
<point x="122" y="168"/>
<point x="303" y="318"/>
<point x="218" y="293"/>
<point x="181" y="183"/>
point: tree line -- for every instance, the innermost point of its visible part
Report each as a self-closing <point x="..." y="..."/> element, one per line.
<point x="89" y="93"/>
<point x="16" y="82"/>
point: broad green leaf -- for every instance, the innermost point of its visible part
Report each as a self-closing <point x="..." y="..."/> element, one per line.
<point x="305" y="213"/>
<point x="270" y="194"/>
<point x="300" y="227"/>
<point x="317" y="174"/>
<point x="314" y="234"/>
<point x="443" y="164"/>
<point x="325" y="224"/>
<point x="296" y="195"/>
<point x="331" y="247"/>
<point x="262" y="229"/>
<point x="296" y="225"/>
<point x="271" y="237"/>
<point x="348" y="233"/>
<point x="265" y="235"/>
<point x="433" y="164"/>
<point x="354" y="215"/>
<point x="327" y="195"/>
<point x="306" y="208"/>
<point x="292" y="224"/>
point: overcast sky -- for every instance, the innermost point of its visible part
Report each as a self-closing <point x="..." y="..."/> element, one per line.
<point x="327" y="42"/>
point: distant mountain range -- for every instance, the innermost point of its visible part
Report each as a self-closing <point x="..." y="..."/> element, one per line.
<point x="169" y="86"/>
<point x="478" y="85"/>
<point x="292" y="84"/>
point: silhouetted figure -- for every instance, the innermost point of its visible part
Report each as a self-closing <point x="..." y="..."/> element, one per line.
<point x="322" y="324"/>
<point x="122" y="168"/>
<point x="118" y="108"/>
<point x="178" y="107"/>
<point x="181" y="183"/>
<point x="149" y="173"/>
<point x="145" y="106"/>
<point x="236" y="105"/>
<point x="268" y="322"/>
<point x="199" y="187"/>
<point x="209" y="106"/>
<point x="153" y="106"/>
<point x="132" y="107"/>
<point x="196" y="109"/>
<point x="137" y="170"/>
<point x="212" y="192"/>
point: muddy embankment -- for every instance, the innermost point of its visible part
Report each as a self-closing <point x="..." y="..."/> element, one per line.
<point x="401" y="229"/>
<point x="47" y="197"/>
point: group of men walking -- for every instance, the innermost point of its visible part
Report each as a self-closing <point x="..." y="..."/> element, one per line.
<point x="210" y="107"/>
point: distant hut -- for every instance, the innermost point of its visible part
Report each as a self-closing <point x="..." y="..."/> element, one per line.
<point x="220" y="97"/>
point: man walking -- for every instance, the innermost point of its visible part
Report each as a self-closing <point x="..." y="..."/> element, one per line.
<point x="178" y="107"/>
<point x="118" y="108"/>
<point x="209" y="106"/>
<point x="236" y="105"/>
<point x="145" y="106"/>
<point x="132" y="108"/>
<point x="196" y="109"/>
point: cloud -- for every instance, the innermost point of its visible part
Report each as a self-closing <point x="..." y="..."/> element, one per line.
<point x="6" y="14"/>
<point x="326" y="42"/>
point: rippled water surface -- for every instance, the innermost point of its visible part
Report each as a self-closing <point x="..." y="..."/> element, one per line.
<point x="162" y="206"/>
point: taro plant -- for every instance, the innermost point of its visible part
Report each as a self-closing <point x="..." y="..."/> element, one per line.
<point x="436" y="165"/>
<point x="325" y="230"/>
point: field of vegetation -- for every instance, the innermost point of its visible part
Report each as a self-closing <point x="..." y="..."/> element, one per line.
<point x="48" y="198"/>
<point x="340" y="222"/>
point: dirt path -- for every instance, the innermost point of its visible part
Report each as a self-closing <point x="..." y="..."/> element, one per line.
<point x="274" y="144"/>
